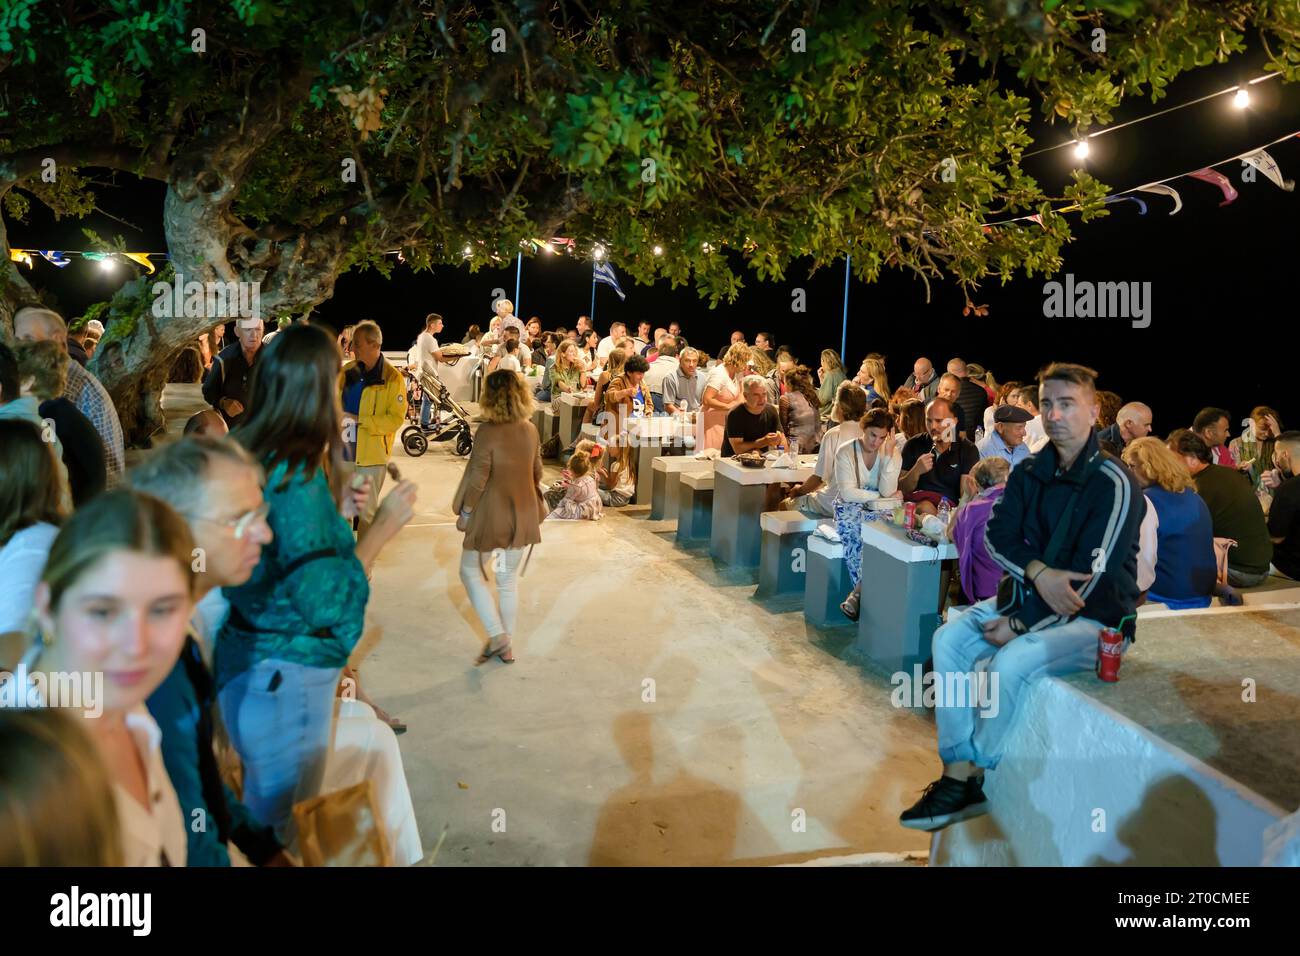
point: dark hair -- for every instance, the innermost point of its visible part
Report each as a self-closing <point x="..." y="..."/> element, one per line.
<point x="767" y="336"/>
<point x="635" y="363"/>
<point x="878" y="402"/>
<point x="470" y="334"/>
<point x="431" y="318"/>
<point x="295" y="414"/>
<point x="799" y="379"/>
<point x="681" y="344"/>
<point x="911" y="418"/>
<point x="511" y="344"/>
<point x="1080" y="375"/>
<point x="878" y="418"/>
<point x="1108" y="406"/>
<point x="29" y="479"/>
<point x="1184" y="441"/>
<point x="1028" y="393"/>
<point x="1207" y="417"/>
<point x="587" y="334"/>
<point x="10" y="384"/>
<point x="852" y="400"/>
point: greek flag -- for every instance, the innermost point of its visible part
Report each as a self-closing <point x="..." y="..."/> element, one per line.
<point x="604" y="272"/>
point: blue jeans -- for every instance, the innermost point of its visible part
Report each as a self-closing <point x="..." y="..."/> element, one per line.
<point x="966" y="732"/>
<point x="426" y="411"/>
<point x="282" y="735"/>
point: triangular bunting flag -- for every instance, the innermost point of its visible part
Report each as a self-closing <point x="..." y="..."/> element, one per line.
<point x="1262" y="161"/>
<point x="1160" y="189"/>
<point x="21" y="255"/>
<point x="1142" y="207"/>
<point x="54" y="257"/>
<point x="141" y="258"/>
<point x="1218" y="179"/>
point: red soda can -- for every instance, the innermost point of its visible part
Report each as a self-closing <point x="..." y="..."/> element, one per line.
<point x="909" y="515"/>
<point x="1110" y="647"/>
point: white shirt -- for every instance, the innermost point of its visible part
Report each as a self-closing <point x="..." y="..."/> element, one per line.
<point x="21" y="561"/>
<point x="508" y="363"/>
<point x="1147" y="541"/>
<point x="835" y="459"/>
<point x="603" y="348"/>
<point x="149" y="833"/>
<point x="425" y="346"/>
<point x="1035" y="433"/>
<point x="719" y="379"/>
<point x="660" y="369"/>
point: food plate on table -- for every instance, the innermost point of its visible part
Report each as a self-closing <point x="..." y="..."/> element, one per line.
<point x="751" y="459"/>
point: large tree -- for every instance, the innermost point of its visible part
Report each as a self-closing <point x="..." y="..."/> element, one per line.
<point x="779" y="129"/>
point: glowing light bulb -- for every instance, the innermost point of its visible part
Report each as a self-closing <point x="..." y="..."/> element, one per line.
<point x="107" y="265"/>
<point x="468" y="250"/>
<point x="1241" y="99"/>
<point x="1081" y="149"/>
<point x="598" y="252"/>
<point x="659" y="250"/>
<point x="706" y="247"/>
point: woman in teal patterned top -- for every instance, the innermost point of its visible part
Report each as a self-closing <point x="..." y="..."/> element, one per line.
<point x="292" y="626"/>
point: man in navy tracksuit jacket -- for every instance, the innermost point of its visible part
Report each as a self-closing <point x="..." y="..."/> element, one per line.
<point x="1050" y="607"/>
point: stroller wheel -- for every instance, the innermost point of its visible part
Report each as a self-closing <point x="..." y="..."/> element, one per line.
<point x="414" y="442"/>
<point x="464" y="444"/>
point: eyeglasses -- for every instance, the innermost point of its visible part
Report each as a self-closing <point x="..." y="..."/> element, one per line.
<point x="241" y="524"/>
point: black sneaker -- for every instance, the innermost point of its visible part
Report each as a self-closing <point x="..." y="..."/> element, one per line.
<point x="946" y="801"/>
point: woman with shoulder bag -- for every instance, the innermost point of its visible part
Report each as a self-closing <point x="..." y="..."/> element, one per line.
<point x="500" y="507"/>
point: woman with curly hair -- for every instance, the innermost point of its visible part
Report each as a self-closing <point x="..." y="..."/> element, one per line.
<point x="722" y="393"/>
<point x="500" y="507"/>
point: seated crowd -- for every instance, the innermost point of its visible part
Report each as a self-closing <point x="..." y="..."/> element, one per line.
<point x="220" y="585"/>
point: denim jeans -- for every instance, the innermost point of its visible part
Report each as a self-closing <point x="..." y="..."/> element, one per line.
<point x="282" y="735"/>
<point x="975" y="734"/>
<point x="426" y="410"/>
<point x="1245" y="579"/>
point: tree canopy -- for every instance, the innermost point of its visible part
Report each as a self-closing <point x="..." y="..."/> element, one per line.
<point x="301" y="138"/>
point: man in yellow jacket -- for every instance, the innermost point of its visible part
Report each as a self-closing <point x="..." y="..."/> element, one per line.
<point x="374" y="407"/>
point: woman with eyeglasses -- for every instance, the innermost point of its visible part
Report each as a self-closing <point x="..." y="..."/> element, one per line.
<point x="292" y="625"/>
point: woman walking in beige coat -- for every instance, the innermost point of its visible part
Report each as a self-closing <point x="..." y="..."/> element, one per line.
<point x="500" y="507"/>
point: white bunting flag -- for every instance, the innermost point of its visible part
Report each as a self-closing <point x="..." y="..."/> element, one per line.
<point x="1262" y="161"/>
<point x="1161" y="189"/>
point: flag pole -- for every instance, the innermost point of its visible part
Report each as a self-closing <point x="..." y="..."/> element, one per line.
<point x="519" y="270"/>
<point x="593" y="295"/>
<point x="844" y="332"/>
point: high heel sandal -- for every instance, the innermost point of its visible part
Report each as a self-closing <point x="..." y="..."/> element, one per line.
<point x="499" y="652"/>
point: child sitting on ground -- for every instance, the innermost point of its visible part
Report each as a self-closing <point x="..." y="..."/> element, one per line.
<point x="574" y="497"/>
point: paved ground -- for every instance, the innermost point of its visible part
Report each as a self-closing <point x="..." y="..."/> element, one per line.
<point x="562" y="758"/>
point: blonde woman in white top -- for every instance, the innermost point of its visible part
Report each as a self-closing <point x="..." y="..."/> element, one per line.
<point x="854" y="455"/>
<point x="113" y="604"/>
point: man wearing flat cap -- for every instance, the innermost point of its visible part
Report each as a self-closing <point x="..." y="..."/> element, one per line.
<point x="1007" y="439"/>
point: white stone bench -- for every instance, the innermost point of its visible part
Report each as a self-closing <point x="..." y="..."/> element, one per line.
<point x="783" y="552"/>
<point x="550" y="423"/>
<point x="695" y="507"/>
<point x="1176" y="765"/>
<point x="826" y="582"/>
<point x="664" y="490"/>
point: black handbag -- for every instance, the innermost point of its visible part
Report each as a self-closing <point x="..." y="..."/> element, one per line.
<point x="1012" y="593"/>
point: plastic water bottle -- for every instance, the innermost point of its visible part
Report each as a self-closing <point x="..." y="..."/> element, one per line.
<point x="945" y="510"/>
<point x="979" y="434"/>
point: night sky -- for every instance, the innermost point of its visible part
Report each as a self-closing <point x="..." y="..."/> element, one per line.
<point x="1222" y="297"/>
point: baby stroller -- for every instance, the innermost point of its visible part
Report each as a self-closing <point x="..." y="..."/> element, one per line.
<point x="416" y="439"/>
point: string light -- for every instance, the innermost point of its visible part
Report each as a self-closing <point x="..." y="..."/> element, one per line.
<point x="1241" y="99"/>
<point x="598" y="253"/>
<point x="707" y="248"/>
<point x="659" y="250"/>
<point x="1081" y="149"/>
<point x="107" y="264"/>
<point x="469" y="251"/>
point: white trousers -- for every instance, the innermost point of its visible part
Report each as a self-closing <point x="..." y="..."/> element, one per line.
<point x="498" y="613"/>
